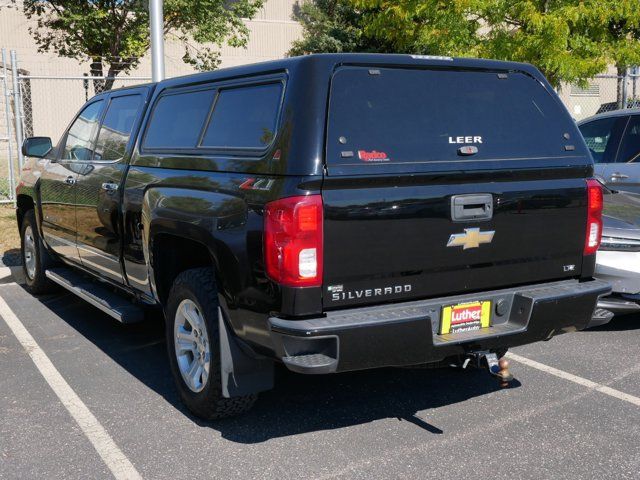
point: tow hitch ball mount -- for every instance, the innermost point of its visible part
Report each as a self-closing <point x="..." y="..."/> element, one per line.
<point x="489" y="360"/>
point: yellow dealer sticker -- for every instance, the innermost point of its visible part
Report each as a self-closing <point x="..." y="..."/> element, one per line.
<point x="465" y="317"/>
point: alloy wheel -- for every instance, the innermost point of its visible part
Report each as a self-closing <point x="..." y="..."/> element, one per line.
<point x="29" y="252"/>
<point x="192" y="345"/>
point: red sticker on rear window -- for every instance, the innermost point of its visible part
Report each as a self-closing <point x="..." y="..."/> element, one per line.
<point x="372" y="156"/>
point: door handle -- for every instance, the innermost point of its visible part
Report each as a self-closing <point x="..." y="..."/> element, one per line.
<point x="70" y="180"/>
<point x="110" y="187"/>
<point x="618" y="176"/>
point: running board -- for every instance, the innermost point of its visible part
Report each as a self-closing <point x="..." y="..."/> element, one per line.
<point x="97" y="295"/>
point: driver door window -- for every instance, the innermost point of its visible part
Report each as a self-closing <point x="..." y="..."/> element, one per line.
<point x="79" y="142"/>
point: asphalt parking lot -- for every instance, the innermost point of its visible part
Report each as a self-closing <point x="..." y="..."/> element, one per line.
<point x="581" y="420"/>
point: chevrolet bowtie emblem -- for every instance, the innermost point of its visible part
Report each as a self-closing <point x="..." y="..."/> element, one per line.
<point x="471" y="238"/>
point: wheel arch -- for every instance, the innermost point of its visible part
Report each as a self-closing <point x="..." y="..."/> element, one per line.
<point x="24" y="203"/>
<point x="28" y="198"/>
<point x="188" y="228"/>
<point x="174" y="250"/>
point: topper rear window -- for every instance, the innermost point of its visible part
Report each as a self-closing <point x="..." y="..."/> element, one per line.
<point x="392" y="115"/>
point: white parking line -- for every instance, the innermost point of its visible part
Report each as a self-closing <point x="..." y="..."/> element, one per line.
<point x="112" y="456"/>
<point x="612" y="392"/>
<point x="5" y="272"/>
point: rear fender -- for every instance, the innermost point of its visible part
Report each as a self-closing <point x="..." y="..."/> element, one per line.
<point x="212" y="219"/>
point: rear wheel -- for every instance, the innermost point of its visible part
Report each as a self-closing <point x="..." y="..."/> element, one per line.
<point x="35" y="257"/>
<point x="193" y="345"/>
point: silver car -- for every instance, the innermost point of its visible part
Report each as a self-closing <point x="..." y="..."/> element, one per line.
<point x="618" y="259"/>
<point x="613" y="139"/>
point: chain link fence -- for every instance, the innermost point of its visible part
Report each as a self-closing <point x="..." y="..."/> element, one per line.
<point x="602" y="93"/>
<point x="44" y="105"/>
<point x="49" y="103"/>
<point x="40" y="105"/>
<point x="8" y="163"/>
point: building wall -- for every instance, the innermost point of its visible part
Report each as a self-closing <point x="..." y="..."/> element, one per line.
<point x="583" y="103"/>
<point x="272" y="31"/>
<point x="54" y="101"/>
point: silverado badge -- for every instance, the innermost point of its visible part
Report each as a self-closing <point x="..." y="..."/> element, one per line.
<point x="471" y="238"/>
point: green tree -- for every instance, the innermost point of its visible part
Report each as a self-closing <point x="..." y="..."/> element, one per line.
<point x="113" y="35"/>
<point x="552" y="35"/>
<point x="428" y="27"/>
<point x="615" y="24"/>
<point x="568" y="40"/>
<point x="545" y="33"/>
<point x="405" y="26"/>
<point x="329" y="26"/>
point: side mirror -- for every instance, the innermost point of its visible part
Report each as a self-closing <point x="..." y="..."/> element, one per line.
<point x="36" y="147"/>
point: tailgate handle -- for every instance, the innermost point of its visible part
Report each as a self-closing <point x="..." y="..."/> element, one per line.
<point x="471" y="207"/>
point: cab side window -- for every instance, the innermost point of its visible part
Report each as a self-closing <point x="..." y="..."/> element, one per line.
<point x="116" y="128"/>
<point x="630" y="147"/>
<point x="79" y="142"/>
<point x="177" y="119"/>
<point x="600" y="137"/>
<point x="244" y="117"/>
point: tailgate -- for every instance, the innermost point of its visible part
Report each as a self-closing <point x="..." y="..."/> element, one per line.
<point x="393" y="240"/>
<point x="444" y="181"/>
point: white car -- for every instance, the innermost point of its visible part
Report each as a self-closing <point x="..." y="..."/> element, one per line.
<point x="618" y="259"/>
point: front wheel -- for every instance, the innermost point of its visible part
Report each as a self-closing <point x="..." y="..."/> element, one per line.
<point x="35" y="258"/>
<point x="193" y="343"/>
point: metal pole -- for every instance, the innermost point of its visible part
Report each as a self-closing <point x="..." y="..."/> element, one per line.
<point x="156" y="21"/>
<point x="624" y="88"/>
<point x="85" y="84"/>
<point x="636" y="71"/>
<point x="17" y="104"/>
<point x="7" y="112"/>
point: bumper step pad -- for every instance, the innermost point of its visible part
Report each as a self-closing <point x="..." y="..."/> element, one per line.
<point x="601" y="316"/>
<point x="311" y="363"/>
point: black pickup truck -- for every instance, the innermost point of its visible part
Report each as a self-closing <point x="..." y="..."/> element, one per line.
<point x="330" y="212"/>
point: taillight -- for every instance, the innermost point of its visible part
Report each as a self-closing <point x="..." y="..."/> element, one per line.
<point x="293" y="241"/>
<point x="594" y="217"/>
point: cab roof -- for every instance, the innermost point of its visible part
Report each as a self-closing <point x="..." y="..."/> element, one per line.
<point x="330" y="61"/>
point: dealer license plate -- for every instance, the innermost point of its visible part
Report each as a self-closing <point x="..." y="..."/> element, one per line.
<point x="465" y="317"/>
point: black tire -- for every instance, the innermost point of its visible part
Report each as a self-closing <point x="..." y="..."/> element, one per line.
<point x="198" y="285"/>
<point x="36" y="281"/>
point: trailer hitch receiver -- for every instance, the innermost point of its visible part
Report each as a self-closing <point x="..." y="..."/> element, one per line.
<point x="489" y="360"/>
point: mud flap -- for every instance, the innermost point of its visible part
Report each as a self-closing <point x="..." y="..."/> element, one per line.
<point x="242" y="371"/>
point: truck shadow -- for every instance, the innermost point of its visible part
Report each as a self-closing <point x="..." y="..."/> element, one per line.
<point x="11" y="258"/>
<point x="298" y="403"/>
<point x="301" y="404"/>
